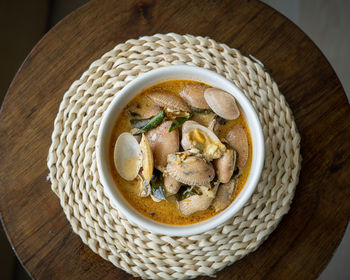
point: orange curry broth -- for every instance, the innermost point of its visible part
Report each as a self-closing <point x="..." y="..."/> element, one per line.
<point x="166" y="211"/>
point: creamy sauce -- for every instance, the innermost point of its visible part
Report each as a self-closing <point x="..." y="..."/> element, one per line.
<point x="167" y="211"/>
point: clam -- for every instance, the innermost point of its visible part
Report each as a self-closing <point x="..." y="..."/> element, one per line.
<point x="214" y="126"/>
<point x="224" y="195"/>
<point x="134" y="110"/>
<point x="237" y="139"/>
<point x="222" y="103"/>
<point x="198" y="136"/>
<point x="185" y="143"/>
<point x="190" y="169"/>
<point x="127" y="156"/>
<point x="144" y="187"/>
<point x="147" y="159"/>
<point x="151" y="112"/>
<point x="225" y="165"/>
<point x="194" y="96"/>
<point x="163" y="143"/>
<point x="130" y="157"/>
<point x="216" y="123"/>
<point x="197" y="202"/>
<point x="169" y="101"/>
<point x="171" y="185"/>
<point x="147" y="168"/>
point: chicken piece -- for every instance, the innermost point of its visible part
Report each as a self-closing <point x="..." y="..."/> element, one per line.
<point x="163" y="143"/>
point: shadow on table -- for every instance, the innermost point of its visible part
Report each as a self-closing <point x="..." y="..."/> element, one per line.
<point x="23" y="23"/>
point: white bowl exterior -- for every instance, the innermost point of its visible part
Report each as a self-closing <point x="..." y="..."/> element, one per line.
<point x="122" y="99"/>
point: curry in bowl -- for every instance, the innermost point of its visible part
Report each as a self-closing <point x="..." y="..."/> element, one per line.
<point x="180" y="152"/>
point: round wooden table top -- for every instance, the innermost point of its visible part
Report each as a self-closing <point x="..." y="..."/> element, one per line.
<point x="306" y="238"/>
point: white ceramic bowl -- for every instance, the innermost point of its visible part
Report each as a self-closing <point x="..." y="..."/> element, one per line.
<point x="121" y="100"/>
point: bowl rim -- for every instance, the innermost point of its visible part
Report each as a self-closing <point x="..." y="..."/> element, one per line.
<point x="125" y="95"/>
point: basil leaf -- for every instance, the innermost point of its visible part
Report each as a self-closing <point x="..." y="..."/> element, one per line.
<point x="186" y="192"/>
<point x="177" y="122"/>
<point x="157" y="187"/>
<point x="153" y="122"/>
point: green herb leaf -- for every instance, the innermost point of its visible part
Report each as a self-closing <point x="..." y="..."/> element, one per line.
<point x="157" y="187"/>
<point x="186" y="192"/>
<point x="177" y="122"/>
<point x="153" y="122"/>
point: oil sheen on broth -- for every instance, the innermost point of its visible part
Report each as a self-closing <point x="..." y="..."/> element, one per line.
<point x="166" y="211"/>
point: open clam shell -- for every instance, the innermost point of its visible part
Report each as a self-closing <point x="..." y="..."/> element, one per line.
<point x="147" y="159"/>
<point x="127" y="156"/>
<point x="222" y="103"/>
<point x="198" y="136"/>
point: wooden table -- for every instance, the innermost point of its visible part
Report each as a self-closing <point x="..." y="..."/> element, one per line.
<point x="305" y="240"/>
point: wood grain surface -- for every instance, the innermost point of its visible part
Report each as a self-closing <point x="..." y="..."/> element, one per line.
<point x="31" y="214"/>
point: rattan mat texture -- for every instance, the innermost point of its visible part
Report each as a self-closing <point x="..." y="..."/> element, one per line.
<point x="75" y="180"/>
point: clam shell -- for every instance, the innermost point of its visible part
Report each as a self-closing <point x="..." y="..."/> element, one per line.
<point x="237" y="139"/>
<point x="198" y="136"/>
<point x="147" y="159"/>
<point x="196" y="202"/>
<point x="144" y="187"/>
<point x="163" y="143"/>
<point x="169" y="100"/>
<point x="151" y="112"/>
<point x="194" y="96"/>
<point x="225" y="165"/>
<point x="190" y="170"/>
<point x="185" y="142"/>
<point x="224" y="195"/>
<point x="214" y="126"/>
<point x="222" y="103"/>
<point x="127" y="156"/>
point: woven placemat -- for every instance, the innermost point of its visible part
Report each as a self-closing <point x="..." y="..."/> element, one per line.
<point x="75" y="180"/>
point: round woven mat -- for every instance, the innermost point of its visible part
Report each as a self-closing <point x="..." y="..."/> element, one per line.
<point x="74" y="176"/>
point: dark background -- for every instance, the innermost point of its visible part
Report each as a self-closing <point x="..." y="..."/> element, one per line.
<point x="23" y="23"/>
